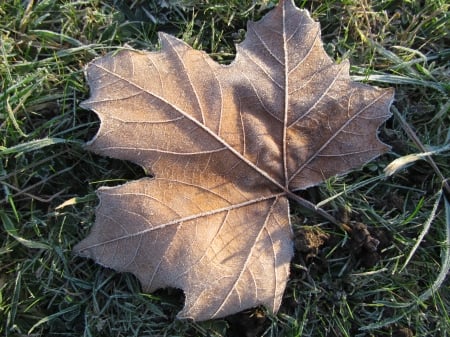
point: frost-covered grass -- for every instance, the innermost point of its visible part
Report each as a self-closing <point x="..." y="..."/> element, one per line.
<point x="48" y="180"/>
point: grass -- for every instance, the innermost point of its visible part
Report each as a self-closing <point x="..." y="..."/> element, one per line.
<point x="48" y="180"/>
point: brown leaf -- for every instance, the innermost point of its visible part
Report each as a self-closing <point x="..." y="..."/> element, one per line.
<point x="227" y="146"/>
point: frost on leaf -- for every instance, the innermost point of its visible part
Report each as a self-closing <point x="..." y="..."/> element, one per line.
<point x="227" y="145"/>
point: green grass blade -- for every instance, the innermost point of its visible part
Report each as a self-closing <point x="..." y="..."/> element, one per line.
<point x="445" y="255"/>
<point x="9" y="227"/>
<point x="34" y="145"/>
<point x="426" y="228"/>
<point x="53" y="316"/>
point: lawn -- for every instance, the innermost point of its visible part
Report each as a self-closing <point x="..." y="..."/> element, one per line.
<point x="338" y="286"/>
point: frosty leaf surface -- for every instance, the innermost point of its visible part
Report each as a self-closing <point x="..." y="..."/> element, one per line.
<point x="227" y="146"/>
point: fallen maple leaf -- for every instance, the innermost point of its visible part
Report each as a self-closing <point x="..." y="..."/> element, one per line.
<point x="227" y="146"/>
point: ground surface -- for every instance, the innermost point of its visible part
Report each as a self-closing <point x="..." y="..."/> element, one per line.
<point x="384" y="275"/>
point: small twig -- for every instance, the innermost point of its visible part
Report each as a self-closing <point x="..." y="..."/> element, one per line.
<point x="25" y="191"/>
<point x="412" y="135"/>
<point x="32" y="196"/>
<point x="33" y="164"/>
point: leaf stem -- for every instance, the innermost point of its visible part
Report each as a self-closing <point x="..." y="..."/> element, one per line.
<point x="309" y="205"/>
